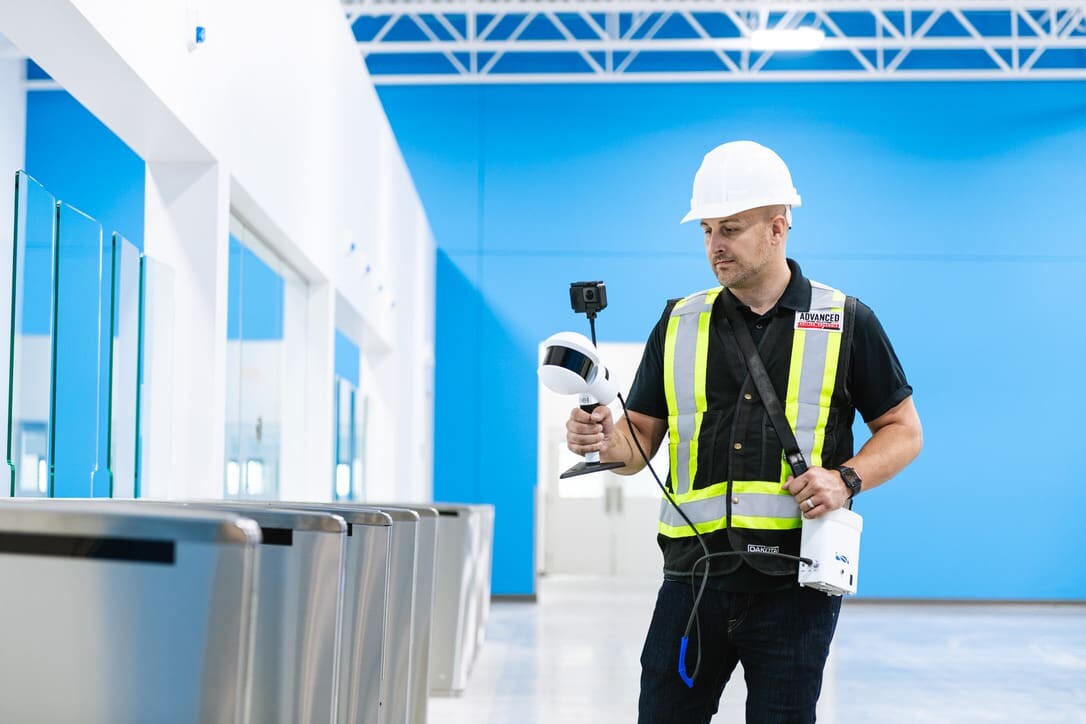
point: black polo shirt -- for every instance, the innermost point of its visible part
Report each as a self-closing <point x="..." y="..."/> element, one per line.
<point x="875" y="382"/>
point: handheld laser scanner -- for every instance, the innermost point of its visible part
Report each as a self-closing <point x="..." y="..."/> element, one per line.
<point x="571" y="366"/>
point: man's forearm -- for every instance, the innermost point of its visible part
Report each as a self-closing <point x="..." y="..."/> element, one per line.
<point x="890" y="449"/>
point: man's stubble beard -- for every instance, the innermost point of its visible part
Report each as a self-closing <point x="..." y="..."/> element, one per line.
<point x="746" y="274"/>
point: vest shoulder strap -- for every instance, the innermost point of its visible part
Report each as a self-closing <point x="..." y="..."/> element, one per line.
<point x="696" y="303"/>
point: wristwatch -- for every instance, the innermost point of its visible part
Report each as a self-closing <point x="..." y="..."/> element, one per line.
<point x="852" y="480"/>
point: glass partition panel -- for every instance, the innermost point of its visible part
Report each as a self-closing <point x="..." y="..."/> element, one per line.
<point x="30" y="343"/>
<point x="124" y="371"/>
<point x="260" y="394"/>
<point x="254" y="371"/>
<point x="342" y="487"/>
<point x="358" y="462"/>
<point x="77" y="456"/>
<point x="155" y="371"/>
<point x="232" y="476"/>
<point x="265" y="397"/>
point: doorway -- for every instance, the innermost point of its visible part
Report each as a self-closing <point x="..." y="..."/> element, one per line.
<point x="601" y="523"/>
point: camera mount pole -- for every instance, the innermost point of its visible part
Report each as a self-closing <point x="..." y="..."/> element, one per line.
<point x="588" y="403"/>
<point x="591" y="314"/>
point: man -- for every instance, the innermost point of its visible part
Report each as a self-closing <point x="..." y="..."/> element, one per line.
<point x="826" y="358"/>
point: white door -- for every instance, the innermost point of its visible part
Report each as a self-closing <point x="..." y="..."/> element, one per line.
<point x="600" y="523"/>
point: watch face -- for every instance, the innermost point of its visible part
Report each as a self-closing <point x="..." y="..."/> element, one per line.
<point x="852" y="480"/>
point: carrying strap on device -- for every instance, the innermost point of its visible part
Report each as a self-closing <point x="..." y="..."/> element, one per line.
<point x="792" y="453"/>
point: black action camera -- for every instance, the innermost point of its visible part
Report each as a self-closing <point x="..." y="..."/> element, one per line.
<point x="588" y="297"/>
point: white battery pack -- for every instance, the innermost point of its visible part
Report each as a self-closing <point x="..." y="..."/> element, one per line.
<point x="832" y="542"/>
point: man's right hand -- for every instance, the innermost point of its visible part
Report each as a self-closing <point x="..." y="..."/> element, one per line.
<point x="593" y="432"/>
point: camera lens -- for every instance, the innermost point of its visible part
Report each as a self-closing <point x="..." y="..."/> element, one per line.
<point x="590" y="295"/>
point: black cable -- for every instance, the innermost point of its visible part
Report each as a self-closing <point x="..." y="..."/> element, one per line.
<point x="693" y="621"/>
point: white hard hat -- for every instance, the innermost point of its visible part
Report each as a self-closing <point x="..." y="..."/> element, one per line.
<point x="738" y="176"/>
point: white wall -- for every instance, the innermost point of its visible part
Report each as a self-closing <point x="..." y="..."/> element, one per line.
<point x="274" y="116"/>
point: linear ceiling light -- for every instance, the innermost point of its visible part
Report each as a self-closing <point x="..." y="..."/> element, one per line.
<point x="806" y="38"/>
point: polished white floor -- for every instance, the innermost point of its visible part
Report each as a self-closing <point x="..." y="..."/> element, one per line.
<point x="572" y="658"/>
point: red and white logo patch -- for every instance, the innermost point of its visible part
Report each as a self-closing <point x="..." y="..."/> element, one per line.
<point x="824" y="321"/>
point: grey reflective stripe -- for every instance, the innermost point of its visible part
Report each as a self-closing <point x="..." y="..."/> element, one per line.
<point x="810" y="390"/>
<point x="699" y="511"/>
<point x="686" y="342"/>
<point x="812" y="371"/>
<point x="760" y="505"/>
<point x="823" y="297"/>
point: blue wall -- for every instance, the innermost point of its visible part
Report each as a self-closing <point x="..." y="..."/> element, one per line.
<point x="954" y="210"/>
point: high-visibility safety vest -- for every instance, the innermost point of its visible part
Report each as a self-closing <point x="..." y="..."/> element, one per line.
<point x="748" y="505"/>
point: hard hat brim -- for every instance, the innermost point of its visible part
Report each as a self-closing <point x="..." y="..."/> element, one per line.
<point x="722" y="211"/>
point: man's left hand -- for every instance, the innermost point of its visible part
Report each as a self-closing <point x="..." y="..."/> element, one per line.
<point x="818" y="491"/>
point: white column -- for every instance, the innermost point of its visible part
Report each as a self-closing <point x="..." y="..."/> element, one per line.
<point x="187" y="227"/>
<point x="12" y="150"/>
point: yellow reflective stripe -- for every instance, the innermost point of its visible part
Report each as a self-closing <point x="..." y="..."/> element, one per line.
<point x="758" y="523"/>
<point x="669" y="362"/>
<point x="683" y="531"/>
<point x="765" y="487"/>
<point x="791" y="400"/>
<point x="795" y="370"/>
<point x="669" y="392"/>
<point x="703" y="493"/>
<point x="758" y="486"/>
<point x="829" y="377"/>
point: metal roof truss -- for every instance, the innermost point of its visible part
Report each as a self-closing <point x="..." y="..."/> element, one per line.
<point x="572" y="41"/>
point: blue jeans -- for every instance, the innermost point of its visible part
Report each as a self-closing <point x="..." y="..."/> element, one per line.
<point x="782" y="639"/>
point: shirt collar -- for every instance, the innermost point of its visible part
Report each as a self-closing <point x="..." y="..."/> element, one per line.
<point x="796" y="296"/>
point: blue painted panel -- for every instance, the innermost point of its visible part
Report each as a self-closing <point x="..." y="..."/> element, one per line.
<point x="347" y="359"/>
<point x="459" y="394"/>
<point x="953" y="209"/>
<point x="255" y="296"/>
<point x="81" y="161"/>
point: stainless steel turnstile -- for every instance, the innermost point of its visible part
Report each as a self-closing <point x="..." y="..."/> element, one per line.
<point x="425" y="568"/>
<point x="365" y="600"/>
<point x="120" y="613"/>
<point x="296" y="646"/>
<point x="461" y="594"/>
<point x="396" y="674"/>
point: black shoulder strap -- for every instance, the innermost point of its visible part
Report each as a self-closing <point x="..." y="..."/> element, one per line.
<point x="764" y="385"/>
<point x="846" y="344"/>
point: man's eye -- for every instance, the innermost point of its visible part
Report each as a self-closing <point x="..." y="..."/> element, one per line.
<point x="731" y="229"/>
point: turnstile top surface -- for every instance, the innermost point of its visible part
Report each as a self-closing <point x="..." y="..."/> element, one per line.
<point x="425" y="510"/>
<point x="123" y="519"/>
<point x="396" y="513"/>
<point x="295" y="519"/>
<point x="351" y="514"/>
